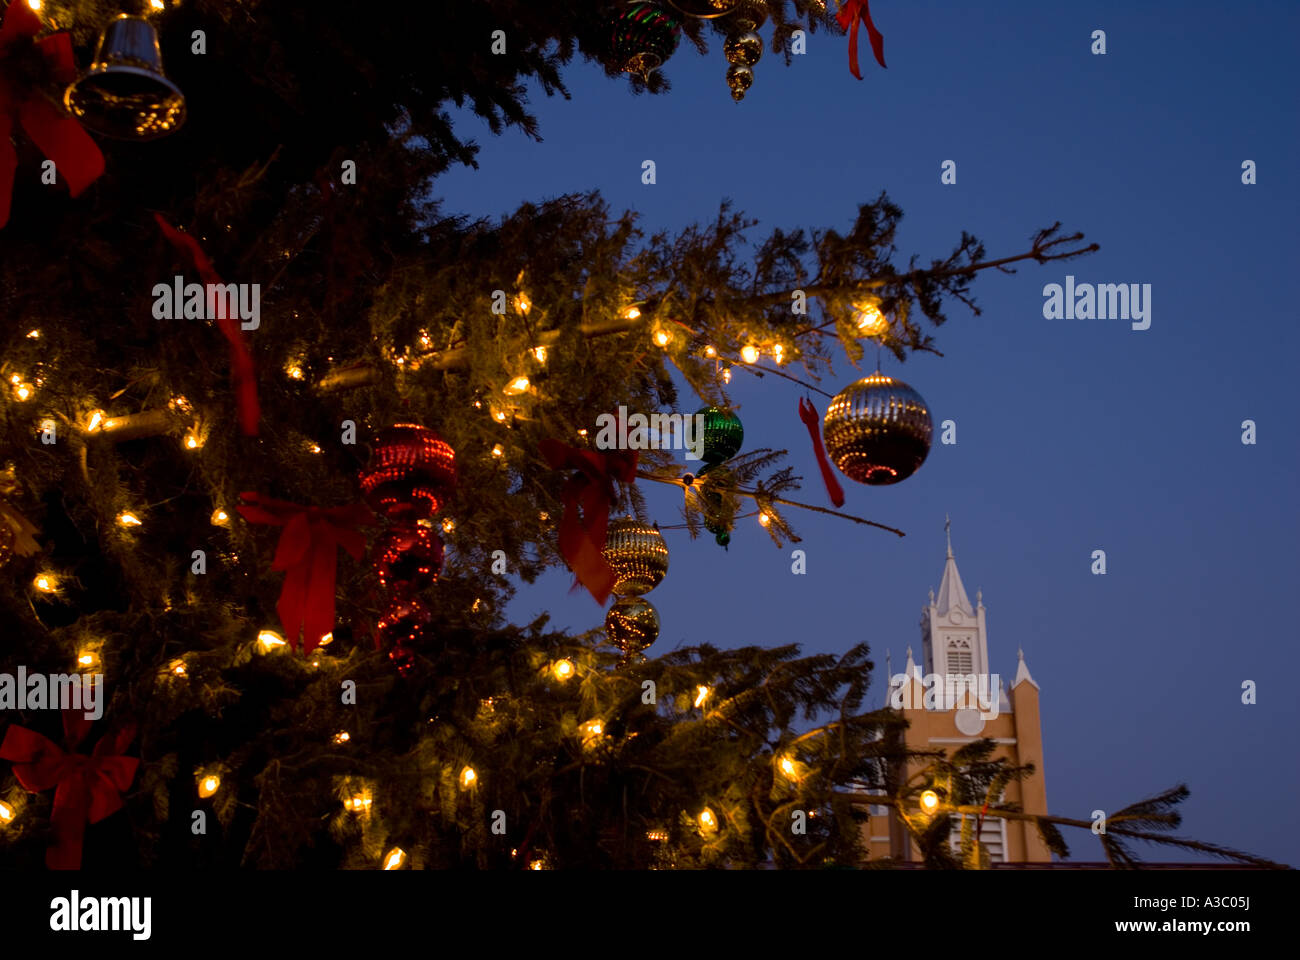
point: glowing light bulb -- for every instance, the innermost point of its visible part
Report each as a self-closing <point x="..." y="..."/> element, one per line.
<point x="540" y="354"/>
<point x="326" y="640"/>
<point x="788" y="767"/>
<point x="500" y="416"/>
<point x="707" y="820"/>
<point x="778" y="352"/>
<point x="468" y="777"/>
<point x="35" y="5"/>
<point x="46" y="582"/>
<point x="6" y="813"/>
<point x="632" y="313"/>
<point x="448" y="525"/>
<point x="764" y="519"/>
<point x="220" y="518"/>
<point x="701" y="694"/>
<point x="710" y="351"/>
<point x="192" y="441"/>
<point x="33" y="334"/>
<point x="563" y="669"/>
<point x="517" y="386"/>
<point x="342" y="737"/>
<point x="498" y="450"/>
<point x="870" y="320"/>
<point x="180" y="403"/>
<point x="24" y="391"/>
<point x="929" y="801"/>
<point x="663" y="337"/>
<point x="394" y="858"/>
<point x="749" y="353"/>
<point x="128" y="520"/>
<point x="582" y="433"/>
<point x="178" y="668"/>
<point x="523" y="304"/>
<point x="314" y="447"/>
<point x="87" y="659"/>
<point x="358" y="803"/>
<point x="537" y="865"/>
<point x="726" y="374"/>
<point x="656" y="836"/>
<point x="156" y="4"/>
<point x="594" y="728"/>
<point x="209" y="785"/>
<point x="270" y="640"/>
<point x="293" y="371"/>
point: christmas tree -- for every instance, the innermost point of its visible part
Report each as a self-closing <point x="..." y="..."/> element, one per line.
<point x="267" y="663"/>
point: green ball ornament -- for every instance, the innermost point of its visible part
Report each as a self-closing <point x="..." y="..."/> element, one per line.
<point x="644" y="37"/>
<point x="632" y="624"/>
<point x="723" y="435"/>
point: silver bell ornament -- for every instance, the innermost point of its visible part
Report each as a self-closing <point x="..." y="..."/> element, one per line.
<point x="124" y="93"/>
<point x="877" y="430"/>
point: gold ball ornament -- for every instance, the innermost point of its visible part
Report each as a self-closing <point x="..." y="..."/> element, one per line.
<point x="743" y="48"/>
<point x="638" y="554"/>
<point x="632" y="624"/>
<point x="877" y="430"/>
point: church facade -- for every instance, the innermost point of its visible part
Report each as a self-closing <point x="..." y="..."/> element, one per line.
<point x="955" y="656"/>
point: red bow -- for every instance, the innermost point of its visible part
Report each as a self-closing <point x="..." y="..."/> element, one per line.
<point x="308" y="553"/>
<point x="852" y="13"/>
<point x="582" y="539"/>
<point x="808" y="414"/>
<point x="241" y="361"/>
<point x="86" y="788"/>
<point x="57" y="135"/>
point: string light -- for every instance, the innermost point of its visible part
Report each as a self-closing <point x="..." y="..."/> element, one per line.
<point x="33" y="334"/>
<point x="342" y="737"/>
<point x="537" y="865"/>
<point x="523" y="304"/>
<point x="563" y="669"/>
<point x="929" y="801"/>
<point x="500" y="416"/>
<point x="180" y="404"/>
<point x="270" y="640"/>
<point x="394" y="858"/>
<point x="707" y="820"/>
<point x="314" y="447"/>
<point x="710" y="351"/>
<point x="498" y="451"/>
<point x="593" y="728"/>
<point x="358" y="803"/>
<point x="789" y="768"/>
<point x="663" y="337"/>
<point x="6" y="813"/>
<point x="701" y="694"/>
<point x="326" y="640"/>
<point x="448" y="525"/>
<point x="778" y="353"/>
<point x="87" y="659"/>
<point x="468" y="777"/>
<point x="540" y="354"/>
<point x="632" y="313"/>
<point x="220" y="518"/>
<point x="156" y="4"/>
<point x="23" y="391"/>
<point x="424" y="339"/>
<point x="516" y="386"/>
<point x="208" y="785"/>
<point x="193" y="441"/>
<point x="35" y="5"/>
<point x="128" y="520"/>
<point x="46" y="582"/>
<point x="726" y="374"/>
<point x="870" y="320"/>
<point x="749" y="353"/>
<point x="656" y="836"/>
<point x="293" y="371"/>
<point x="764" y="519"/>
<point x="178" y="668"/>
<point x="95" y="422"/>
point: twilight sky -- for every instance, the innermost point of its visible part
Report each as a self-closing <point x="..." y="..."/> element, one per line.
<point x="1073" y="435"/>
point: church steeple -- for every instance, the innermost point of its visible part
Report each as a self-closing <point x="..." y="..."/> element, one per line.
<point x="951" y="592"/>
<point x="952" y="630"/>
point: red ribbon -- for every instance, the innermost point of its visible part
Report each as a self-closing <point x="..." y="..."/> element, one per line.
<point x="86" y="788"/>
<point x="851" y="14"/>
<point x="811" y="420"/>
<point x="57" y="135"/>
<point x="308" y="553"/>
<point x="241" y="361"/>
<point x="582" y="539"/>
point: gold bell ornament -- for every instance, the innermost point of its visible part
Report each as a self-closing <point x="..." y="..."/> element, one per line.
<point x="125" y="94"/>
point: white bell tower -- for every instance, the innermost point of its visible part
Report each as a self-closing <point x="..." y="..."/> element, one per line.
<point x="953" y="633"/>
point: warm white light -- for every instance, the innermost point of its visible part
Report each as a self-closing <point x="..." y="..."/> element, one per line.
<point x="658" y="836"/>
<point x="788" y="767"/>
<point x="707" y="820"/>
<point x="33" y="334"/>
<point x="24" y="391"/>
<point x="46" y="582"/>
<point x="710" y="351"/>
<point x="498" y="450"/>
<point x="358" y="803"/>
<point x="314" y="447"/>
<point x="516" y="386"/>
<point x="633" y="313"/>
<point x="209" y="785"/>
<point x="929" y="801"/>
<point x="342" y="737"/>
<point x="749" y="353"/>
<point x="522" y="303"/>
<point x="6" y="812"/>
<point x="764" y="519"/>
<point x="179" y="402"/>
<point x="594" y="728"/>
<point x="500" y="416"/>
<point x="326" y="640"/>
<point x="156" y="4"/>
<point x="726" y="374"/>
<point x="95" y="422"/>
<point x="870" y="320"/>
<point x="663" y="337"/>
<point x="778" y="352"/>
<point x="448" y="525"/>
<point x="701" y="694"/>
<point x="540" y="354"/>
<point x="192" y="441"/>
<point x="269" y="639"/>
<point x="395" y="858"/>
<point x="468" y="777"/>
<point x="537" y="865"/>
<point x="563" y="669"/>
<point x="128" y="520"/>
<point x="35" y="5"/>
<point x="178" y="668"/>
<point x="220" y="518"/>
<point x="87" y="659"/>
<point x="294" y="371"/>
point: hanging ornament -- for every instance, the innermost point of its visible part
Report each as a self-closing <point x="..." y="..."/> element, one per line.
<point x="125" y="94"/>
<point x="743" y="48"/>
<point x="411" y="472"/>
<point x="717" y="516"/>
<point x="403" y="629"/>
<point x="704" y="9"/>
<point x="723" y="435"/>
<point x="638" y="555"/>
<point x="877" y="430"/>
<point x="632" y="624"/>
<point x="644" y="37"/>
<point x="408" y="558"/>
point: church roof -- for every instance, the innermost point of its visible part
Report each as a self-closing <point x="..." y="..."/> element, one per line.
<point x="1022" y="673"/>
<point x="951" y="592"/>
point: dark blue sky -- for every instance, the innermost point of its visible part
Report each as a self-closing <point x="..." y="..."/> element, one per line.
<point x="1073" y="435"/>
